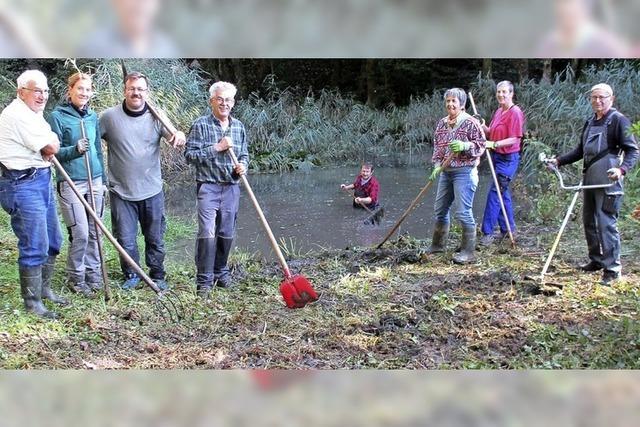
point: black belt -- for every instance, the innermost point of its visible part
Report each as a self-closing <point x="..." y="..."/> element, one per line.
<point x="18" y="174"/>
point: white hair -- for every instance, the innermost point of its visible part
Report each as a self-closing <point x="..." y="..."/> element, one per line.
<point x="35" y="76"/>
<point x="603" y="87"/>
<point x="222" y="87"/>
<point x="456" y="92"/>
<point x="506" y="83"/>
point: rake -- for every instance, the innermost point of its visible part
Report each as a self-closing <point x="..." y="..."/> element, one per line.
<point x="168" y="303"/>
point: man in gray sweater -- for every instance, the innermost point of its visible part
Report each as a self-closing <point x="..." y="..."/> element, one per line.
<point x="133" y="136"/>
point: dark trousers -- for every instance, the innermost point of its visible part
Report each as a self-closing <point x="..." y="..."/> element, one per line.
<point x="601" y="229"/>
<point x="125" y="216"/>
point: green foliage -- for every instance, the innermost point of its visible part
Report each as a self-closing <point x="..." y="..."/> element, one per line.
<point x="445" y="302"/>
<point x="632" y="179"/>
<point x="556" y="111"/>
<point x="289" y="131"/>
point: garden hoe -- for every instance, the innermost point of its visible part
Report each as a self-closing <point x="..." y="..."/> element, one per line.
<point x="413" y="204"/>
<point x="170" y="306"/>
<point x="296" y="290"/>
<point x="540" y="280"/>
<point x="495" y="181"/>
<point x="103" y="264"/>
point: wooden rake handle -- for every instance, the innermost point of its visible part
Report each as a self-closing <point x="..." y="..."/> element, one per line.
<point x="352" y="194"/>
<point x="103" y="264"/>
<point x="413" y="204"/>
<point x="106" y="232"/>
<point x="263" y="219"/>
<point x="495" y="182"/>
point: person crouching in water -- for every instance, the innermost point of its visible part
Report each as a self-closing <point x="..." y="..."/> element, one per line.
<point x="365" y="188"/>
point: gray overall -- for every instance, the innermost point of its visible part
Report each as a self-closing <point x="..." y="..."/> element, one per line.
<point x="602" y="205"/>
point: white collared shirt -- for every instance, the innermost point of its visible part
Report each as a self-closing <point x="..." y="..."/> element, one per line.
<point x="23" y="133"/>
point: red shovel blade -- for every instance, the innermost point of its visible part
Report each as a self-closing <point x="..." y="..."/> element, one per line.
<point x="297" y="292"/>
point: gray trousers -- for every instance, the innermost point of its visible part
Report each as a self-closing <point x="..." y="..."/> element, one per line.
<point x="217" y="214"/>
<point x="83" y="260"/>
<point x="601" y="228"/>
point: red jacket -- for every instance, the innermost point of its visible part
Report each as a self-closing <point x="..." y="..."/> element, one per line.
<point x="370" y="189"/>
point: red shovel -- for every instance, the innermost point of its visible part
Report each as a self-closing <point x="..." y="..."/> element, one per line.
<point x="296" y="290"/>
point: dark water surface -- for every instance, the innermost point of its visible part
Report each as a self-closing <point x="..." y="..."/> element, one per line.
<point x="309" y="211"/>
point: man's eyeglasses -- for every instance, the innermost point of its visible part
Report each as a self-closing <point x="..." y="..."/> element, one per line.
<point x="43" y="92"/>
<point x="220" y="100"/>
<point x="599" y="98"/>
<point x="136" y="89"/>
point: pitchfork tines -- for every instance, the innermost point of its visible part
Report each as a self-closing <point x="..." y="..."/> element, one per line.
<point x="170" y="306"/>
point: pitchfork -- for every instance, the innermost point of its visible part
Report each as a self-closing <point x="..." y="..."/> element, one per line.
<point x="168" y="303"/>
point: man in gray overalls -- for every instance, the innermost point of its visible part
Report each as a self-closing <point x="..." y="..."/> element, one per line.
<point x="605" y="138"/>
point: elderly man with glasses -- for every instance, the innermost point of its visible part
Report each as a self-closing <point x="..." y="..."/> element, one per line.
<point x="605" y="140"/>
<point x="217" y="191"/>
<point x="133" y="138"/>
<point x="27" y="144"/>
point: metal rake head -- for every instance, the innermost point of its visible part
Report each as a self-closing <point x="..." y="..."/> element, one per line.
<point x="171" y="306"/>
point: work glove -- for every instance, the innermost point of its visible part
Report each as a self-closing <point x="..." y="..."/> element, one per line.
<point x="458" y="146"/>
<point x="614" y="174"/>
<point x="436" y="171"/>
<point x="82" y="146"/>
<point x="551" y="163"/>
<point x="491" y="145"/>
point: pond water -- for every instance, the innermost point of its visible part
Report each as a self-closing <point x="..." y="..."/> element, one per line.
<point x="308" y="211"/>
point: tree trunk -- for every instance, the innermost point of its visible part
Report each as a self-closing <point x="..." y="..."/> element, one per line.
<point x="523" y="70"/>
<point x="487" y="67"/>
<point x="546" y="70"/>
<point x="372" y="84"/>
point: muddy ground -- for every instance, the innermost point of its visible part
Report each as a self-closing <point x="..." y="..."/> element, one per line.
<point x="397" y="307"/>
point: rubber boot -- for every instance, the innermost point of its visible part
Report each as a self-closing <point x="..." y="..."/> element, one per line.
<point x="440" y="237"/>
<point x="467" y="252"/>
<point x="47" y="276"/>
<point x="220" y="268"/>
<point x="31" y="289"/>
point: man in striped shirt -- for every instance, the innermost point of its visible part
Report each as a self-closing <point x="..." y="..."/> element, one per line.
<point x="217" y="179"/>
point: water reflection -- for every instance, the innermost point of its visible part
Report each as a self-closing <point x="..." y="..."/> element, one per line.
<point x="309" y="211"/>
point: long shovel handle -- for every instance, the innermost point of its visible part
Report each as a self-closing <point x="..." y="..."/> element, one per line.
<point x="555" y="243"/>
<point x="495" y="182"/>
<point x="106" y="232"/>
<point x="103" y="264"/>
<point x="265" y="224"/>
<point x="413" y="204"/>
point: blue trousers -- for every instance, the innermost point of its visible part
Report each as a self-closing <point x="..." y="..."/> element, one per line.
<point x="28" y="197"/>
<point x="506" y="166"/>
<point x="457" y="185"/>
<point x="125" y="216"/>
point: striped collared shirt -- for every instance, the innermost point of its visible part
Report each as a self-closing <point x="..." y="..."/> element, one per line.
<point x="212" y="166"/>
